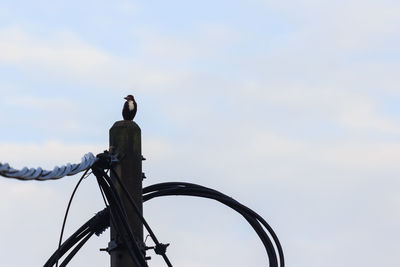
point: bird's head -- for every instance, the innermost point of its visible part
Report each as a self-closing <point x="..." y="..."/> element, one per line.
<point x="129" y="97"/>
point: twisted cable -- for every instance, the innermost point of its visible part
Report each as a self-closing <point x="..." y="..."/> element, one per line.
<point x="39" y="174"/>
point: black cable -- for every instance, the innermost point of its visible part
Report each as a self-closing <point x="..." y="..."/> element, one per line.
<point x="96" y="225"/>
<point x="99" y="222"/>
<point x="118" y="212"/>
<point x="69" y="243"/>
<point x="98" y="169"/>
<point x="67" y="211"/>
<point x="244" y="211"/>
<point x="254" y="223"/>
<point x="264" y="223"/>
<point x="107" y="205"/>
<point x="195" y="190"/>
<point x="255" y="220"/>
<point x="234" y="204"/>
<point x="103" y="196"/>
<point x="76" y="249"/>
<point x="140" y="215"/>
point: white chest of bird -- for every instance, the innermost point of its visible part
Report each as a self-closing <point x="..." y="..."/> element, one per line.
<point x="131" y="105"/>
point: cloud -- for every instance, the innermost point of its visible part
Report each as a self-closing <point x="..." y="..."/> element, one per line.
<point x="349" y="25"/>
<point x="69" y="58"/>
<point x="292" y="122"/>
<point x="65" y="51"/>
<point x="38" y="103"/>
<point x="344" y="107"/>
<point x="148" y="65"/>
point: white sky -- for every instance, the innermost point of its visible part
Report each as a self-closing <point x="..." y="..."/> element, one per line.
<point x="291" y="108"/>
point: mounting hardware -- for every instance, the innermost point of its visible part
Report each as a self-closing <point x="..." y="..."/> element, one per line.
<point x="161" y="248"/>
<point x="112" y="245"/>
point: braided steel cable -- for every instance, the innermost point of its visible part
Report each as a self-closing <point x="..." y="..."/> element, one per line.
<point x="27" y="174"/>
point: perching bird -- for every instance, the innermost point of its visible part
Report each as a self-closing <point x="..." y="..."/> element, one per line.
<point x="130" y="108"/>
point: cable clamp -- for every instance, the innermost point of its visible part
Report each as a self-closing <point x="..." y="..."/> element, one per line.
<point x="106" y="160"/>
<point x="161" y="248"/>
<point x="100" y="222"/>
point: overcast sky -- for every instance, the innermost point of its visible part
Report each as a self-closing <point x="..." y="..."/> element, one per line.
<point x="291" y="107"/>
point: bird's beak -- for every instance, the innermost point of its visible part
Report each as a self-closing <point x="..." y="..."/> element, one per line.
<point x="126" y="98"/>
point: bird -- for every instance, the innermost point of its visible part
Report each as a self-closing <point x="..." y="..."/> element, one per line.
<point x="130" y="108"/>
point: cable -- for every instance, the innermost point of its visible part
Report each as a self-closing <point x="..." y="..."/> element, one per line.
<point x="272" y="247"/>
<point x="103" y="196"/>
<point x="67" y="211"/>
<point x="269" y="238"/>
<point x="118" y="212"/>
<point x="159" y="247"/>
<point x="96" y="225"/>
<point x="39" y="174"/>
<point x="76" y="249"/>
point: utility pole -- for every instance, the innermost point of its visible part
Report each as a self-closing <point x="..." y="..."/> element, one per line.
<point x="125" y="139"/>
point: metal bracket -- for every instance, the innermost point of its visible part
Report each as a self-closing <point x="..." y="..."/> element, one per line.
<point x="159" y="249"/>
<point x="107" y="160"/>
<point x="112" y="245"/>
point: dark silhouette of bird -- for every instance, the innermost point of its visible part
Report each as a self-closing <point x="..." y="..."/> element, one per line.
<point x="130" y="108"/>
